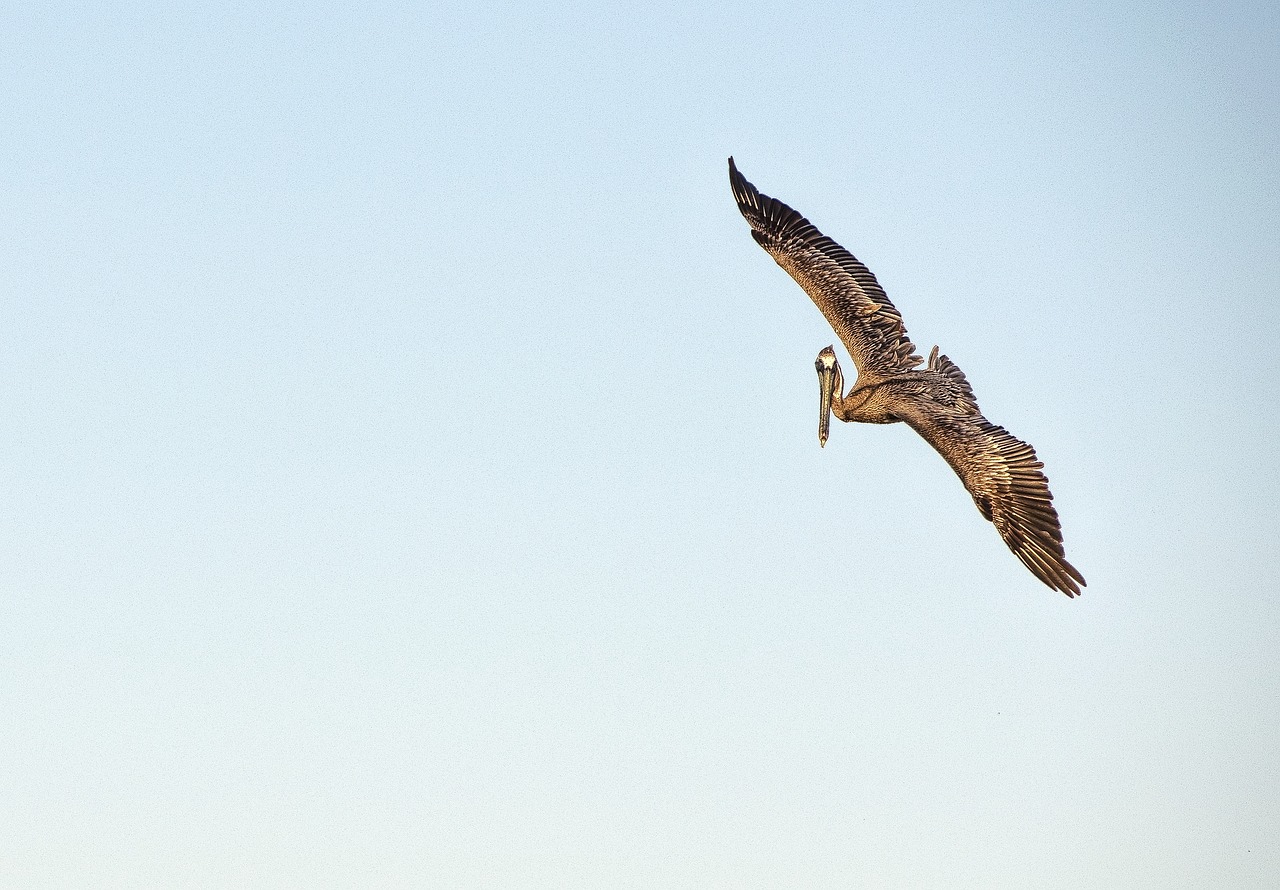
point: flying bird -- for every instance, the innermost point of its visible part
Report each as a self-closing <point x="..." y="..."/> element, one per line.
<point x="1001" y="472"/>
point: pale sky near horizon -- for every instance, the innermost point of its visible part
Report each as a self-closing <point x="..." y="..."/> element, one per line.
<point x="412" y="474"/>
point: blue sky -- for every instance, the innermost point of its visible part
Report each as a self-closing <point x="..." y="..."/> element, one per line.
<point x="411" y="475"/>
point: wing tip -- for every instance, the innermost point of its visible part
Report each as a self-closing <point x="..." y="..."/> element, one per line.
<point x="1062" y="576"/>
<point x="743" y="191"/>
<point x="1052" y="571"/>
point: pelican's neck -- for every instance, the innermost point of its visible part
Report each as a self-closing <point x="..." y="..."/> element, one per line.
<point x="868" y="401"/>
<point x="840" y="399"/>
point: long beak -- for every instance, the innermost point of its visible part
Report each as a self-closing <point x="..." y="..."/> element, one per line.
<point x="827" y="385"/>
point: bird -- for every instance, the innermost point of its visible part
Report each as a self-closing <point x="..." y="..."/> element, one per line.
<point x="1000" y="472"/>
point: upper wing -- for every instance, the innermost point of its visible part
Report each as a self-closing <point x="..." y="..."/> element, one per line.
<point x="1003" y="475"/>
<point x="844" y="289"/>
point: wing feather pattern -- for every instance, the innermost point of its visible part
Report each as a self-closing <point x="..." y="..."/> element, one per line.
<point x="844" y="289"/>
<point x="1004" y="477"/>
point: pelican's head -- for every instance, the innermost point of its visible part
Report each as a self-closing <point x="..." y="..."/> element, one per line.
<point x="829" y="383"/>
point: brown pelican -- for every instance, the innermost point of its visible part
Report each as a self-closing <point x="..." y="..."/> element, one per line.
<point x="1000" y="472"/>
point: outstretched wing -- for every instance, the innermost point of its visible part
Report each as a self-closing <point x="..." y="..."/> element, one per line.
<point x="1004" y="476"/>
<point x="845" y="290"/>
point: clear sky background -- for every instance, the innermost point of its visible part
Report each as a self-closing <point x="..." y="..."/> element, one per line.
<point x="411" y="473"/>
